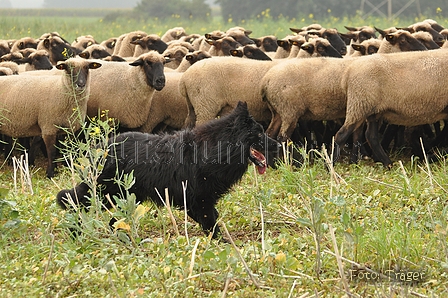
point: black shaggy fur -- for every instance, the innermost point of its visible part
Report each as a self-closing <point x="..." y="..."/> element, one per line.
<point x="211" y="158"/>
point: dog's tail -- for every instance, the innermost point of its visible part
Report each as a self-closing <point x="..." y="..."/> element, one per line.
<point x="70" y="198"/>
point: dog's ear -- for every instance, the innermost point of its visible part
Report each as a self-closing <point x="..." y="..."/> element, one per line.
<point x="242" y="104"/>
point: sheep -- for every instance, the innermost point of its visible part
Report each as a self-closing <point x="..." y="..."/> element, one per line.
<point x="57" y="48"/>
<point x="190" y="38"/>
<point x="4" y="48"/>
<point x="38" y="60"/>
<point x="168" y="107"/>
<point x="5" y="71"/>
<point x="426" y="39"/>
<point x="240" y="35"/>
<point x="201" y="42"/>
<point x="250" y="51"/>
<point x="14" y="56"/>
<point x="294" y="90"/>
<point x="358" y="35"/>
<point x="175" y="56"/>
<point x="148" y="43"/>
<point x="190" y="59"/>
<point x="82" y="42"/>
<point x="11" y="65"/>
<point x="32" y="60"/>
<point x="367" y="47"/>
<point x="125" y="90"/>
<point x="426" y="26"/>
<point x="23" y="43"/>
<point x="213" y="86"/>
<point x="109" y="44"/>
<point x="295" y="44"/>
<point x="223" y="46"/>
<point x="266" y="43"/>
<point x="415" y="97"/>
<point x="94" y="51"/>
<point x="400" y="41"/>
<point x="176" y="43"/>
<point x="173" y="34"/>
<point x="124" y="46"/>
<point x="332" y="35"/>
<point x="318" y="47"/>
<point x="284" y="47"/>
<point x="384" y="32"/>
<point x="42" y="105"/>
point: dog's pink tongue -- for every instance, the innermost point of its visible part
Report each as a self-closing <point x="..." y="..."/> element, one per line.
<point x="261" y="170"/>
<point x="262" y="160"/>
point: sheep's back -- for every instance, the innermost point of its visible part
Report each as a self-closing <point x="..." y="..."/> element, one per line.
<point x="311" y="87"/>
<point x="33" y="105"/>
<point x="223" y="81"/>
<point x="123" y="91"/>
<point x="403" y="88"/>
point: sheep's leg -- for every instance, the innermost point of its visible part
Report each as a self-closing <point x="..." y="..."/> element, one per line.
<point x="50" y="142"/>
<point x="389" y="134"/>
<point x="274" y="127"/>
<point x="152" y="123"/>
<point x="35" y="145"/>
<point x="372" y="137"/>
<point x="190" y="121"/>
<point x="287" y="128"/>
<point x="8" y="148"/>
<point x="341" y="137"/>
<point x="357" y="144"/>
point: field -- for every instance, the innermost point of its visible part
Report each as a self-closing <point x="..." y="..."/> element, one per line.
<point x="356" y="230"/>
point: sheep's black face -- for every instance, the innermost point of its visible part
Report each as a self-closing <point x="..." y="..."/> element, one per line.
<point x="42" y="62"/>
<point x="154" y="71"/>
<point x="79" y="72"/>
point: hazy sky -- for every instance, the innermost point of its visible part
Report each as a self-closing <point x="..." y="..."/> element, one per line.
<point x="27" y="3"/>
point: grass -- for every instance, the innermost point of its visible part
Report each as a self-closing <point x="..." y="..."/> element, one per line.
<point x="296" y="232"/>
<point x="73" y="23"/>
<point x="281" y="224"/>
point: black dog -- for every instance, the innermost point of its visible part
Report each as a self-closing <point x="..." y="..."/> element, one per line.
<point x="209" y="158"/>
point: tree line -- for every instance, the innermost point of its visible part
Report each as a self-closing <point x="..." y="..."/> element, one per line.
<point x="238" y="10"/>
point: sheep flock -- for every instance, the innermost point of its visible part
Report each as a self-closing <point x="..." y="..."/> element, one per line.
<point x="364" y="92"/>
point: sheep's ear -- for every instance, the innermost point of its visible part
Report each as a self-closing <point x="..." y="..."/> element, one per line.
<point x="24" y="60"/>
<point x="84" y="55"/>
<point x="358" y="47"/>
<point x="382" y="32"/>
<point x="137" y="62"/>
<point x="257" y="41"/>
<point x="242" y="105"/>
<point x="47" y="43"/>
<point x="296" y="30"/>
<point x="390" y="37"/>
<point x="236" y="53"/>
<point x="137" y="42"/>
<point x="94" y="65"/>
<point x="61" y="66"/>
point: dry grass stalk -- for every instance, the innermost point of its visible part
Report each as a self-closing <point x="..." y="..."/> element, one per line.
<point x="21" y="166"/>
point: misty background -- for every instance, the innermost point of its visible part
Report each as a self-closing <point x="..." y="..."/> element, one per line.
<point x="238" y="10"/>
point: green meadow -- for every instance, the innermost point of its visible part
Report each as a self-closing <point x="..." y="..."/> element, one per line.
<point x="309" y="231"/>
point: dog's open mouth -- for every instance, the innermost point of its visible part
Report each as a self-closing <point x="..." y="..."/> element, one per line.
<point x="258" y="159"/>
